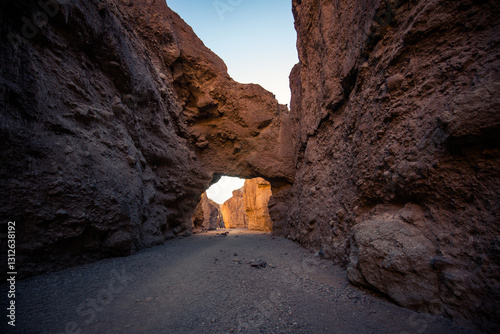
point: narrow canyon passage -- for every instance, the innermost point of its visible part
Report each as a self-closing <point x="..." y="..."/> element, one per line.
<point x="206" y="284"/>
<point x="115" y="118"/>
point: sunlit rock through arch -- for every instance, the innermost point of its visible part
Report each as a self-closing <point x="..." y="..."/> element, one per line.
<point x="241" y="204"/>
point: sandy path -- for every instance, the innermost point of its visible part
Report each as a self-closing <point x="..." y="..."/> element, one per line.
<point x="204" y="284"/>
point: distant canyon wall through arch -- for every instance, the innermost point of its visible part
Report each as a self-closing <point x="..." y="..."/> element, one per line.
<point x="249" y="207"/>
<point x="116" y="118"/>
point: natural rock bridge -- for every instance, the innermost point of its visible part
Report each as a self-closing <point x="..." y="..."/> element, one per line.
<point x="115" y="119"/>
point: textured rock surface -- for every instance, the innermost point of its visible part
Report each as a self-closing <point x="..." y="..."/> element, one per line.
<point x="395" y="110"/>
<point x="404" y="271"/>
<point x="208" y="215"/>
<point x="115" y="118"/>
<point x="256" y="194"/>
<point x="248" y="208"/>
<point x="233" y="211"/>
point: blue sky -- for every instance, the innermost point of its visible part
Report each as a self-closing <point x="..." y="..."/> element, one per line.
<point x="255" y="38"/>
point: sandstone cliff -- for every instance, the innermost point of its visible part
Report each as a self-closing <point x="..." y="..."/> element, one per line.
<point x="207" y="215"/>
<point x="395" y="111"/>
<point x="256" y="194"/>
<point x="233" y="211"/>
<point x="248" y="208"/>
<point x="115" y="118"/>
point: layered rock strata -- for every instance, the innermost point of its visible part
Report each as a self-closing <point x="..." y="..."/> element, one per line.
<point x="395" y="114"/>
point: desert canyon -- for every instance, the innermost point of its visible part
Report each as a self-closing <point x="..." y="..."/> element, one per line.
<point x="115" y="120"/>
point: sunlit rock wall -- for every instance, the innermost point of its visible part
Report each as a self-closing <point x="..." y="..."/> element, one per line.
<point x="256" y="194"/>
<point x="233" y="211"/>
<point x="248" y="208"/>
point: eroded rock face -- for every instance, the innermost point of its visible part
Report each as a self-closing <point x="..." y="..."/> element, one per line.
<point x="208" y="215"/>
<point x="248" y="208"/>
<point x="397" y="154"/>
<point x="256" y="194"/>
<point x="115" y="118"/>
<point x="233" y="211"/>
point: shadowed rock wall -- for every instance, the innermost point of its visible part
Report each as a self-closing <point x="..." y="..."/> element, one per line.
<point x="208" y="215"/>
<point x="115" y="118"/>
<point x="395" y="114"/>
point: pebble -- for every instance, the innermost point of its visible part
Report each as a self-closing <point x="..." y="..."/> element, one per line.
<point x="258" y="264"/>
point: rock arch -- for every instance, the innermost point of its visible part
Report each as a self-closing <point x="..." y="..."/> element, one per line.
<point x="111" y="136"/>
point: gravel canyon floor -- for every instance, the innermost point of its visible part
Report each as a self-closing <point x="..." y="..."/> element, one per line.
<point x="213" y="283"/>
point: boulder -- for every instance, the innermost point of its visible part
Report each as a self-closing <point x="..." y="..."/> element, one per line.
<point x="394" y="257"/>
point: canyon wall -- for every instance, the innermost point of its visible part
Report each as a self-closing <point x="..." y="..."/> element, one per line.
<point x="115" y="118"/>
<point x="233" y="211"/>
<point x="395" y="111"/>
<point x="248" y="208"/>
<point x="207" y="215"/>
<point x="256" y="194"/>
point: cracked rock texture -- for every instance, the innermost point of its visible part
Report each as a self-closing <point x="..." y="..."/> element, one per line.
<point x="208" y="215"/>
<point x="395" y="111"/>
<point x="115" y="118"/>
